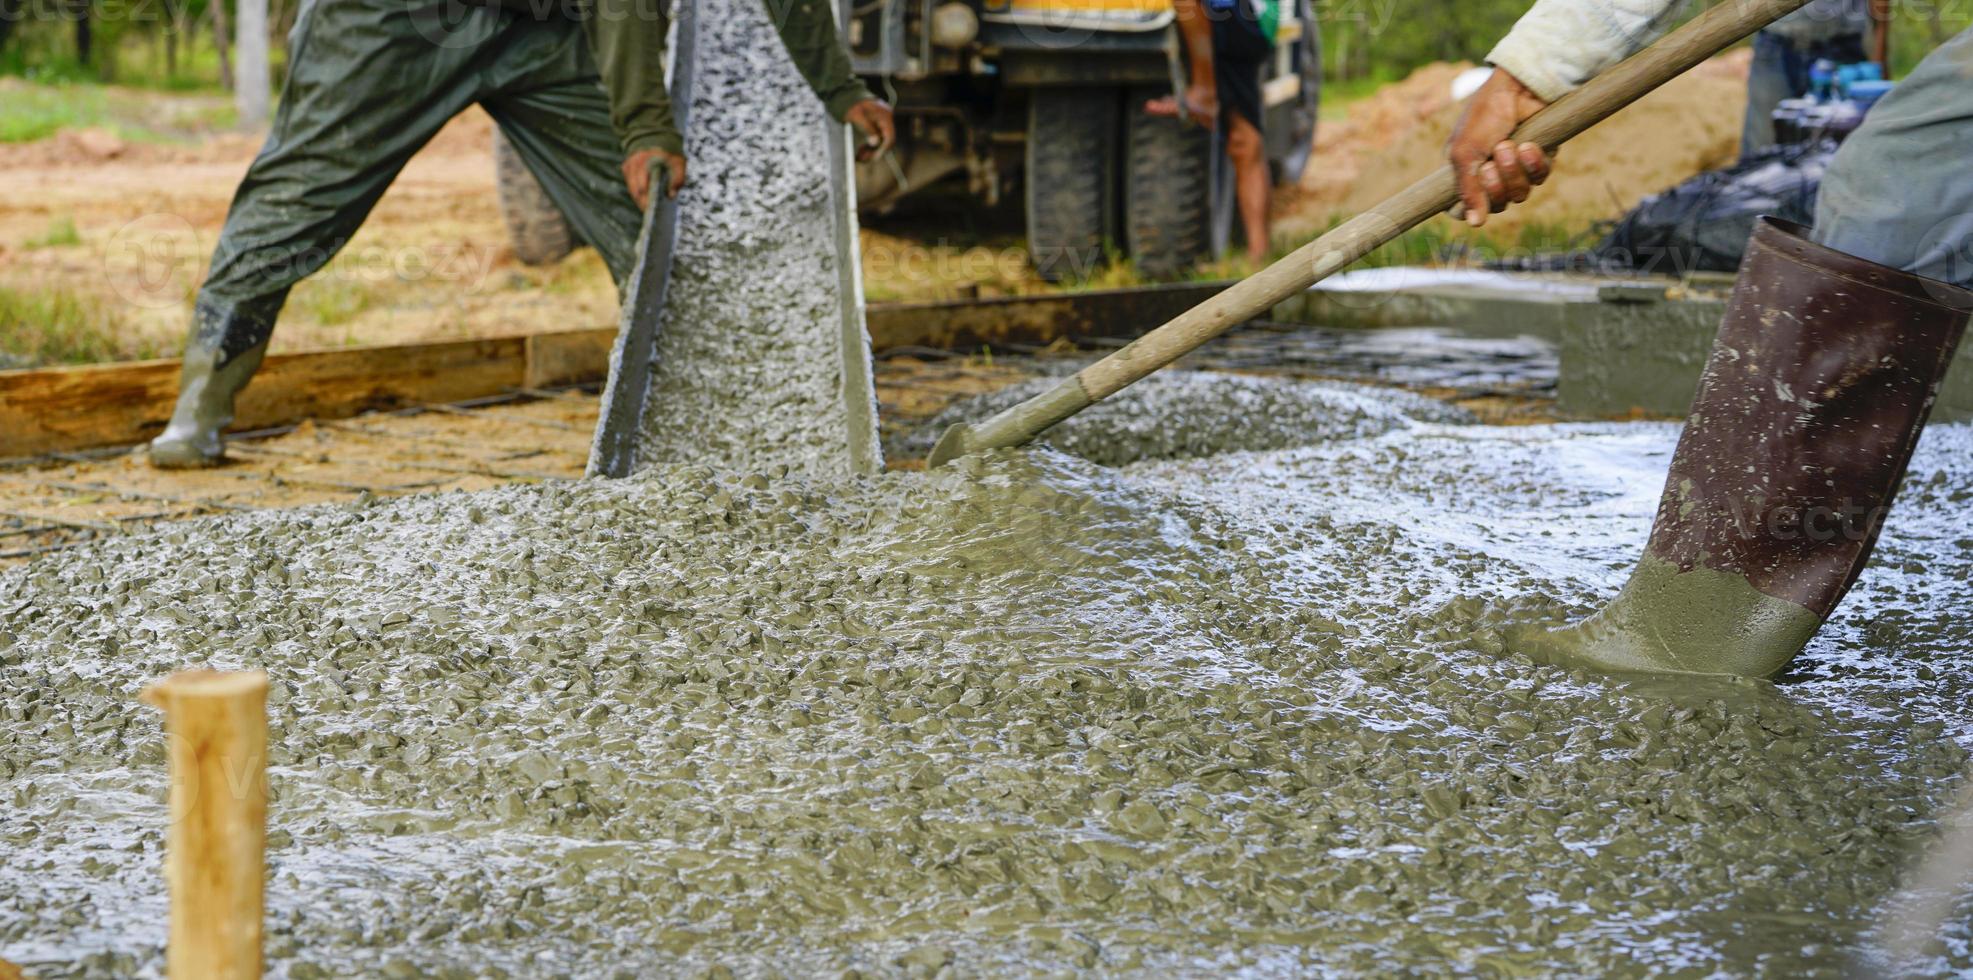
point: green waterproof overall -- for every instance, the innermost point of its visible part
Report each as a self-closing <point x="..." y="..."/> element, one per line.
<point x="371" y="81"/>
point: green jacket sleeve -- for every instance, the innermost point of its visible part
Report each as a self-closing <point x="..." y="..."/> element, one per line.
<point x="808" y="31"/>
<point x="627" y="38"/>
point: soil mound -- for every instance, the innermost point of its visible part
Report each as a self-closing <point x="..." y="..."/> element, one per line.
<point x="1393" y="137"/>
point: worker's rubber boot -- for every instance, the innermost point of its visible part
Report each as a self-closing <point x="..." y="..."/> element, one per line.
<point x="1822" y="375"/>
<point x="207" y="385"/>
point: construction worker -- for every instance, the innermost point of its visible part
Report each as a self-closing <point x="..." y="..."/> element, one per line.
<point x="1227" y="43"/>
<point x="578" y="90"/>
<point x="1825" y="366"/>
<point x="1783" y="53"/>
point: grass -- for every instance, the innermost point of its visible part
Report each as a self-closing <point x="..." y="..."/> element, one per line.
<point x="60" y="327"/>
<point x="1441" y="240"/>
<point x="33" y="110"/>
<point x="333" y="300"/>
<point x="60" y="234"/>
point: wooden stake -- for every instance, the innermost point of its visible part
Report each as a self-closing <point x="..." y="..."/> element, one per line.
<point x="216" y="728"/>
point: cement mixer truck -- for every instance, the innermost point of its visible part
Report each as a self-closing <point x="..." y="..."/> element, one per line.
<point x="1040" y="98"/>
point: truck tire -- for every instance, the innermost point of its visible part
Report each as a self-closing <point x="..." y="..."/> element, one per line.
<point x="1168" y="198"/>
<point x="537" y="228"/>
<point x="1070" y="180"/>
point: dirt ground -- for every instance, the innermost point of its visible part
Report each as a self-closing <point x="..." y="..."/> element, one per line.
<point x="147" y="216"/>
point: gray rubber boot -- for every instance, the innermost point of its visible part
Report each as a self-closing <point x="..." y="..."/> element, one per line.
<point x="207" y="385"/>
<point x="1823" y="373"/>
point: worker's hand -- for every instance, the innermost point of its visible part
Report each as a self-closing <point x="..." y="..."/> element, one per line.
<point x="637" y="174"/>
<point x="873" y="118"/>
<point x="1494" y="171"/>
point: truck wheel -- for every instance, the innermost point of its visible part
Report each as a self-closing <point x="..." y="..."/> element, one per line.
<point x="539" y="232"/>
<point x="1070" y="179"/>
<point x="1168" y="198"/>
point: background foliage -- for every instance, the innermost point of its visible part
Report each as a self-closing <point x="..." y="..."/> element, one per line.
<point x="175" y="43"/>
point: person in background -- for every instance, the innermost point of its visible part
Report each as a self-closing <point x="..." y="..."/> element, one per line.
<point x="1783" y="52"/>
<point x="577" y="86"/>
<point x="1824" y="370"/>
<point x="1227" y="43"/>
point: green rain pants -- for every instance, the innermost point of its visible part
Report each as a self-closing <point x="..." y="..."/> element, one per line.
<point x="369" y="83"/>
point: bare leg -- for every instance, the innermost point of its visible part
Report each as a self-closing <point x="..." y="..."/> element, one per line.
<point x="1248" y="153"/>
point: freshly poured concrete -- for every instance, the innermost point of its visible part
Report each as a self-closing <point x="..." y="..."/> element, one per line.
<point x="1180" y="414"/>
<point x="754" y="368"/>
<point x="1022" y="714"/>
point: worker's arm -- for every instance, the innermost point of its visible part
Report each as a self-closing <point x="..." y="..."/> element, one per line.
<point x="1555" y="47"/>
<point x="808" y="31"/>
<point x="627" y="38"/>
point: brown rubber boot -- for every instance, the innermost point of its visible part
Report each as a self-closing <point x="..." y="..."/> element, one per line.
<point x="207" y="385"/>
<point x="1823" y="373"/>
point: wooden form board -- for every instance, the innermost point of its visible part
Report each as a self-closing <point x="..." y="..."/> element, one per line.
<point x="56" y="409"/>
<point x="70" y="408"/>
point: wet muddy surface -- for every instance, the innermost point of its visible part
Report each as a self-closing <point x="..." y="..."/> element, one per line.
<point x="750" y="363"/>
<point x="1444" y="359"/>
<point x="1028" y="713"/>
<point x="1222" y="413"/>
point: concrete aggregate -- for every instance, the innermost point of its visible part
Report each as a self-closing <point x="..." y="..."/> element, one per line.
<point x="1182" y="414"/>
<point x="749" y="371"/>
<point x="1024" y="714"/>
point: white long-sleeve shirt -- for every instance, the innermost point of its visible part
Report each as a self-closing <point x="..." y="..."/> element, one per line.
<point x="1560" y="44"/>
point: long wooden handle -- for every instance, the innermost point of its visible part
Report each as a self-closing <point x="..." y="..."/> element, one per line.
<point x="1702" y="37"/>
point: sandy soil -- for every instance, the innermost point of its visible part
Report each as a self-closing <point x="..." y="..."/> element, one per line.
<point x="1398" y="134"/>
<point x="149" y="214"/>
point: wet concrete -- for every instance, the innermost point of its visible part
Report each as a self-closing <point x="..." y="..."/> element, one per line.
<point x="1616" y="358"/>
<point x="753" y="367"/>
<point x="1182" y="414"/>
<point x="1026" y="713"/>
